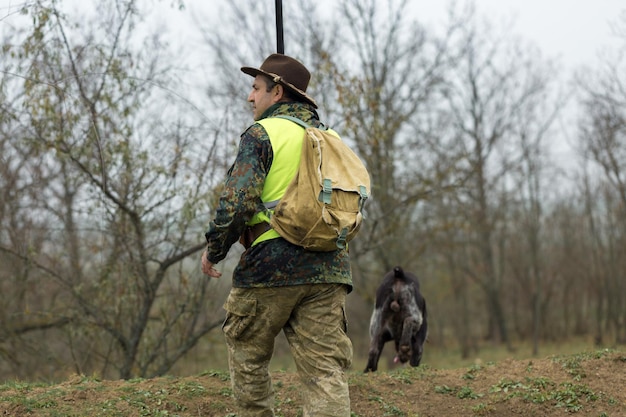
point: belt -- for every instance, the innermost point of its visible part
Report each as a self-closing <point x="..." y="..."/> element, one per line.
<point x="251" y="233"/>
<point x="258" y="229"/>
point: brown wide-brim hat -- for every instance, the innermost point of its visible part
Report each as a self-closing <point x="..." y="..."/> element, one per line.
<point x="287" y="71"/>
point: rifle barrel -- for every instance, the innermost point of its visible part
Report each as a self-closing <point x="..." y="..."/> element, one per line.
<point x="280" y="41"/>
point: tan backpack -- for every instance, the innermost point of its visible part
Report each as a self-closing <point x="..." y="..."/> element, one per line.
<point x="322" y="206"/>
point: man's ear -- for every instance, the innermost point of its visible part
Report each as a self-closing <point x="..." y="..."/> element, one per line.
<point x="278" y="94"/>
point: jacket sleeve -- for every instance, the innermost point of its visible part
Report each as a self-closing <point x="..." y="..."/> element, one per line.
<point x="241" y="195"/>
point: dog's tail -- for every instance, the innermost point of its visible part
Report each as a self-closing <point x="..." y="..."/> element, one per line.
<point x="398" y="272"/>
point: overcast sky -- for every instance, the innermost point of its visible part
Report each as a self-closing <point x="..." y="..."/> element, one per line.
<point x="572" y="30"/>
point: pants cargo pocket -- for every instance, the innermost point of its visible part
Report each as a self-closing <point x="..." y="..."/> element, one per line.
<point x="239" y="315"/>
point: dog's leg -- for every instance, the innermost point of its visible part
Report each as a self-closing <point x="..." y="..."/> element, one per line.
<point x="377" y="341"/>
<point x="376" y="349"/>
<point x="420" y="338"/>
<point x="410" y="327"/>
<point x="416" y="353"/>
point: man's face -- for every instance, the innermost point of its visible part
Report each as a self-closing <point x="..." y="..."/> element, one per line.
<point x="262" y="99"/>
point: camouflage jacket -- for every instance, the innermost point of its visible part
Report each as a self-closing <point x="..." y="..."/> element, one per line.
<point x="274" y="262"/>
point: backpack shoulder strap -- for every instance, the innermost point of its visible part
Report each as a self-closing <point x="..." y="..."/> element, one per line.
<point x="300" y="122"/>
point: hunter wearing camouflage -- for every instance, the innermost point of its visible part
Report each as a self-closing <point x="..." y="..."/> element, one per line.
<point x="277" y="285"/>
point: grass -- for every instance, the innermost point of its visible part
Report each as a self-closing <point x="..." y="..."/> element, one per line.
<point x="451" y="358"/>
<point x="435" y="356"/>
<point x="563" y="382"/>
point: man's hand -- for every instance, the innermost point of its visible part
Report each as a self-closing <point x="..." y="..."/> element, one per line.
<point x="207" y="267"/>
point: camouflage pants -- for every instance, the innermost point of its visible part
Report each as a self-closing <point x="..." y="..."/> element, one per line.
<point x="314" y="322"/>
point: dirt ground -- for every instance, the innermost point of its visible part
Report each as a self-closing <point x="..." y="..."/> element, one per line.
<point x="586" y="384"/>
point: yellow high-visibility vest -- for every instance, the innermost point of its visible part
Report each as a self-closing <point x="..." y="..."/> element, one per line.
<point x="286" y="139"/>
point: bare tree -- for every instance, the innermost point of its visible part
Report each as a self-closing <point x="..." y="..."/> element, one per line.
<point x="127" y="195"/>
<point x="387" y="81"/>
<point x="22" y="174"/>
<point x="495" y="96"/>
<point x="527" y="254"/>
<point x="602" y="141"/>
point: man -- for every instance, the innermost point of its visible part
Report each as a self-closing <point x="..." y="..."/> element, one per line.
<point x="277" y="285"/>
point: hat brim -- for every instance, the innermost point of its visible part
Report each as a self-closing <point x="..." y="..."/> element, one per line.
<point x="277" y="78"/>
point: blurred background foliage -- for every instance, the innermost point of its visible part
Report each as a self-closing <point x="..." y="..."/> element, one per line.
<point x="113" y="145"/>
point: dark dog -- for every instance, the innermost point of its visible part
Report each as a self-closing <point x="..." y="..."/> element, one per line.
<point x="399" y="315"/>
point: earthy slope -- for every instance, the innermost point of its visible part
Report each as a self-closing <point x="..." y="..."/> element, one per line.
<point x="586" y="384"/>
